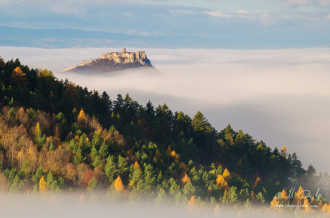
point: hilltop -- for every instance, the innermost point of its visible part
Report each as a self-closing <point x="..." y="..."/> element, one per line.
<point x="114" y="61"/>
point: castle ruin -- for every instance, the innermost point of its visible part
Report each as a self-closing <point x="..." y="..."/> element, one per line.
<point x="122" y="57"/>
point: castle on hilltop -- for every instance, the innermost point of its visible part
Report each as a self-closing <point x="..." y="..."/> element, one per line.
<point x="126" y="57"/>
<point x="121" y="58"/>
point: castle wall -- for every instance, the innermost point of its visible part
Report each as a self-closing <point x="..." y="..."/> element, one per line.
<point x="123" y="57"/>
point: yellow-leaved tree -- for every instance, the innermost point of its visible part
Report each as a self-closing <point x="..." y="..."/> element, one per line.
<point x="300" y="196"/>
<point x="118" y="185"/>
<point x="82" y="120"/>
<point x="307" y="206"/>
<point x="192" y="201"/>
<point x="221" y="182"/>
<point x="274" y="203"/>
<point x="284" y="197"/>
<point x="42" y="185"/>
<point x="37" y="129"/>
<point x="137" y="165"/>
<point x="324" y="208"/>
<point x="19" y="76"/>
<point x="226" y="174"/>
<point x="283" y="152"/>
<point x="175" y="156"/>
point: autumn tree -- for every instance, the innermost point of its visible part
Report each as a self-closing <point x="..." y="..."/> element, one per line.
<point x="221" y="182"/>
<point x="137" y="165"/>
<point x="169" y="151"/>
<point x="81" y="119"/>
<point x="185" y="179"/>
<point x="324" y="208"/>
<point x="253" y="196"/>
<point x="274" y="203"/>
<point x="226" y="175"/>
<point x="256" y="182"/>
<point x="118" y="184"/>
<point x="157" y="154"/>
<point x="175" y="156"/>
<point x="284" y="197"/>
<point x="42" y="185"/>
<point x="39" y="139"/>
<point x="300" y="195"/>
<point x="192" y="201"/>
<point x="18" y="76"/>
<point x="307" y="206"/>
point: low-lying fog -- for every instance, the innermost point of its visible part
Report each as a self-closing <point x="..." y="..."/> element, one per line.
<point x="96" y="206"/>
<point x="279" y="96"/>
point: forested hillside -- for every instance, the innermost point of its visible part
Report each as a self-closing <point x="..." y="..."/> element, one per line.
<point x="57" y="136"/>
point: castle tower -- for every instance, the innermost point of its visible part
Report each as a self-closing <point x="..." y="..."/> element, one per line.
<point x="124" y="50"/>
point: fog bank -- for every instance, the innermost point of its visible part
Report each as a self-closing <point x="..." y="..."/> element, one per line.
<point x="279" y="96"/>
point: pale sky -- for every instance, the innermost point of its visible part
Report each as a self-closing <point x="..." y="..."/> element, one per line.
<point x="283" y="23"/>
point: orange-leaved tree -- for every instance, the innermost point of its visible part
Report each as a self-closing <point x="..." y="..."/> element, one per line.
<point x="221" y="182"/>
<point x="274" y="203"/>
<point x="118" y="184"/>
<point x="185" y="179"/>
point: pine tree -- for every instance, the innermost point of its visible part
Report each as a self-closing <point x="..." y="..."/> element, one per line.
<point x="260" y="197"/>
<point x="17" y="184"/>
<point x="230" y="196"/>
<point x="161" y="195"/>
<point x="188" y="189"/>
<point x="110" y="169"/>
<point x="92" y="185"/>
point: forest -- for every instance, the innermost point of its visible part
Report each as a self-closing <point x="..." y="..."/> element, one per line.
<point x="57" y="137"/>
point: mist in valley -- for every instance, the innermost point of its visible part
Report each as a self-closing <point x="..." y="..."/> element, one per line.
<point x="279" y="96"/>
<point x="86" y="205"/>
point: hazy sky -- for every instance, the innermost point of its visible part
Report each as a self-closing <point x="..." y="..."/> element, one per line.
<point x="279" y="96"/>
